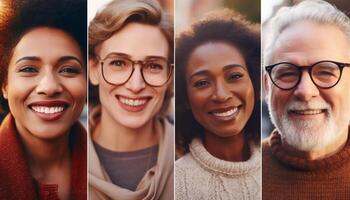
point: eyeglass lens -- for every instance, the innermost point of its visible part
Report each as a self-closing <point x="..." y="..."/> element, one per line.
<point x="117" y="70"/>
<point x="323" y="74"/>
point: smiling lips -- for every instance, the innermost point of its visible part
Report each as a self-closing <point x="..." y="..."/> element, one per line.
<point x="308" y="111"/>
<point x="225" y="114"/>
<point x="133" y="104"/>
<point x="49" y="110"/>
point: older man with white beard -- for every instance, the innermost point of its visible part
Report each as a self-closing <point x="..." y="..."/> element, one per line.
<point x="307" y="83"/>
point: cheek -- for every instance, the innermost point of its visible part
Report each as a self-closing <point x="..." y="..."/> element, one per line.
<point x="250" y="98"/>
<point x="277" y="100"/>
<point x="105" y="97"/>
<point x="160" y="95"/>
<point x="198" y="101"/>
<point x="339" y="100"/>
<point x="18" y="90"/>
<point x="76" y="88"/>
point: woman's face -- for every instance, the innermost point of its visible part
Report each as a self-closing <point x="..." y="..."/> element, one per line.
<point x="46" y="83"/>
<point x="134" y="103"/>
<point x="219" y="89"/>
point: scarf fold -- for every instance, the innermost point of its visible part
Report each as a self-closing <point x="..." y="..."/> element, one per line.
<point x="155" y="183"/>
<point x="16" y="181"/>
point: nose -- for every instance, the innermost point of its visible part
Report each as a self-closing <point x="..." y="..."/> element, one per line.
<point x="49" y="84"/>
<point x="306" y="89"/>
<point x="136" y="83"/>
<point x="221" y="92"/>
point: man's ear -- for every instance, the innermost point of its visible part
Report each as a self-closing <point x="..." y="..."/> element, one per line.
<point x="93" y="71"/>
<point x="4" y="91"/>
<point x="266" y="86"/>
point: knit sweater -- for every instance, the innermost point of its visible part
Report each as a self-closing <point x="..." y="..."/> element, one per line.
<point x="199" y="175"/>
<point x="17" y="183"/>
<point x="287" y="177"/>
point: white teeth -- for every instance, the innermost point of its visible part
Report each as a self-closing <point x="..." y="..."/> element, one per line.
<point x="307" y="112"/>
<point x="47" y="110"/>
<point x="225" y="114"/>
<point x="132" y="102"/>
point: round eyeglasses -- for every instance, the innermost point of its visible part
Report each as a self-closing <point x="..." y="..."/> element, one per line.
<point x="118" y="69"/>
<point x="324" y="74"/>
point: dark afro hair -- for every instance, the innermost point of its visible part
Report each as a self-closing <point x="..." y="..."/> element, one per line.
<point x="219" y="26"/>
<point x="23" y="15"/>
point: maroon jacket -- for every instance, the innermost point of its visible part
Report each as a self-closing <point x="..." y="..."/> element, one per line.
<point x="16" y="181"/>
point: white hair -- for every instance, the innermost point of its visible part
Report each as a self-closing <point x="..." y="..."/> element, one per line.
<point x="317" y="11"/>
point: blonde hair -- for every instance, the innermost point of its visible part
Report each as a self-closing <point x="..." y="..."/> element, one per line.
<point x="117" y="14"/>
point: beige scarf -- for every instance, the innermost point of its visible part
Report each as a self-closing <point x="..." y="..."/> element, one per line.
<point x="157" y="183"/>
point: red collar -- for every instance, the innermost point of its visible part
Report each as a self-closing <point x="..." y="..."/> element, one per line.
<point x="16" y="180"/>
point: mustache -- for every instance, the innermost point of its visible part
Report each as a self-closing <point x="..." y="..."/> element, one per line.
<point x="311" y="105"/>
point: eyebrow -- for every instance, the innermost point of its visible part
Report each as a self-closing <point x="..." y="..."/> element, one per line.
<point x="225" y="68"/>
<point x="67" y="58"/>
<point x="228" y="67"/>
<point x="61" y="59"/>
<point x="32" y="58"/>
<point x="130" y="57"/>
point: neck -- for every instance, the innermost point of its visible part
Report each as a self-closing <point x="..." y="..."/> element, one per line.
<point x="318" y="154"/>
<point x="233" y="148"/>
<point x="116" y="137"/>
<point x="44" y="155"/>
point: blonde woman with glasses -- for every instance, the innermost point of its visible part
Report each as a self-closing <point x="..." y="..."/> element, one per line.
<point x="131" y="147"/>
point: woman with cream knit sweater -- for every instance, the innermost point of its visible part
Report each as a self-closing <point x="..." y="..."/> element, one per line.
<point x="218" y="117"/>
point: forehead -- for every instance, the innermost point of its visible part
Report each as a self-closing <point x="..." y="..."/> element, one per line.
<point x="137" y="40"/>
<point x="47" y="42"/>
<point x="307" y="42"/>
<point x="214" y="56"/>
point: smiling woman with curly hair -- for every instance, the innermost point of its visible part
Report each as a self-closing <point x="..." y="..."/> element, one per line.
<point x="43" y="82"/>
<point x="218" y="109"/>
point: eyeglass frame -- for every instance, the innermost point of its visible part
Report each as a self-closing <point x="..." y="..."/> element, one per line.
<point x="142" y="63"/>
<point x="301" y="68"/>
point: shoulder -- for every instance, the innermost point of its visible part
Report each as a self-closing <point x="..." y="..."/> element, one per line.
<point x="167" y="129"/>
<point x="186" y="163"/>
<point x="185" y="168"/>
<point x="266" y="151"/>
<point x="265" y="145"/>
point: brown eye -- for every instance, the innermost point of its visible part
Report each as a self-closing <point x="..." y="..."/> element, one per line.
<point x="28" y="69"/>
<point x="235" y="76"/>
<point x="201" y="84"/>
<point x="70" y="70"/>
<point x="117" y="63"/>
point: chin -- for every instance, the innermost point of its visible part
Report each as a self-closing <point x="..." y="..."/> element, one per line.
<point x="133" y="123"/>
<point x="308" y="135"/>
<point x="226" y="133"/>
<point x="47" y="135"/>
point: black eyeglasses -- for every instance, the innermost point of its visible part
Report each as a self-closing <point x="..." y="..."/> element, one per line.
<point x="324" y="74"/>
<point x="118" y="69"/>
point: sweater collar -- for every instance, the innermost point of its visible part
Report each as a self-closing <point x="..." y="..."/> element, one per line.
<point x="18" y="181"/>
<point x="226" y="168"/>
<point x="330" y="162"/>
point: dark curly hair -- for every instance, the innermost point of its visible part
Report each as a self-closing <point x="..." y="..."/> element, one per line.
<point x="21" y="16"/>
<point x="221" y="26"/>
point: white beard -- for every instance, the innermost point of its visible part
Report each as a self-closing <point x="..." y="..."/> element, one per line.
<point x="310" y="135"/>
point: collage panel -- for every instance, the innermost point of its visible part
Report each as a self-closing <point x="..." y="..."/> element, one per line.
<point x="43" y="151"/>
<point x="217" y="101"/>
<point x="174" y="99"/>
<point x="131" y="128"/>
<point x="306" y="152"/>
